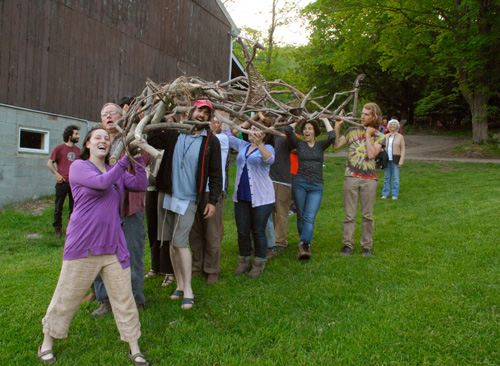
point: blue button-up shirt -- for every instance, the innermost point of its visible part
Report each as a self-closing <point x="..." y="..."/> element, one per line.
<point x="261" y="186"/>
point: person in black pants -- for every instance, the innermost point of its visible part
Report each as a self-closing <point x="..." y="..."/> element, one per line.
<point x="63" y="156"/>
<point x="160" y="253"/>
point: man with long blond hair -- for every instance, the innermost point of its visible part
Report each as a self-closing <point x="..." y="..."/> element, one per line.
<point x="360" y="183"/>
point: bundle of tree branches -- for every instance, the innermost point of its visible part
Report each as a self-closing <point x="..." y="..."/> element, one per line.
<point x="164" y="106"/>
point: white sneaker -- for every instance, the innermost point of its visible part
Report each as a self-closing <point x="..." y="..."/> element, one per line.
<point x="394" y="198"/>
<point x="384" y="197"/>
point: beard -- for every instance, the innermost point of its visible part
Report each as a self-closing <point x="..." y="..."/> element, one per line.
<point x="74" y="140"/>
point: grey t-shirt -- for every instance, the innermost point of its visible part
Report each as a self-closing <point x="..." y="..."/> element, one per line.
<point x="310" y="158"/>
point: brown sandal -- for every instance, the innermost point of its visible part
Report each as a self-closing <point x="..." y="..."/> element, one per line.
<point x="138" y="363"/>
<point x="151" y="273"/>
<point x="169" y="278"/>
<point x="51" y="360"/>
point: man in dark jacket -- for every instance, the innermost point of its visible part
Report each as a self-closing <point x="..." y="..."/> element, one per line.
<point x="188" y="162"/>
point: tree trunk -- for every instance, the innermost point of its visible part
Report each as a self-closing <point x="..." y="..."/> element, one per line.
<point x="272" y="28"/>
<point x="479" y="118"/>
<point x="477" y="99"/>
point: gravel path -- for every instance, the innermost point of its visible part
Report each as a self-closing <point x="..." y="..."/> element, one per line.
<point x="433" y="148"/>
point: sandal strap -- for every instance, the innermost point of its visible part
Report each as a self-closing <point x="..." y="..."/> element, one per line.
<point x="45" y="353"/>
<point x="139" y="363"/>
<point x="50" y="360"/>
<point x="168" y="279"/>
<point x="135" y="355"/>
<point x="151" y="273"/>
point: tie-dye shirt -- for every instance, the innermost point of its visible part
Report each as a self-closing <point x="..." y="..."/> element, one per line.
<point x="358" y="164"/>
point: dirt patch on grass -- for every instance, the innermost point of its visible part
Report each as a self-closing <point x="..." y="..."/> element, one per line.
<point x="34" y="207"/>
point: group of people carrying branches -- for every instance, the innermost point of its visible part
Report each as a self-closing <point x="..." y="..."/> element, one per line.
<point x="191" y="165"/>
<point x="193" y="141"/>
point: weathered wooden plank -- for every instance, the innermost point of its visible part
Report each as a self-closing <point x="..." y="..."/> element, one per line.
<point x="75" y="58"/>
<point x="44" y="67"/>
<point x="5" y="42"/>
<point x="13" y="70"/>
<point x="22" y="41"/>
<point x="32" y="51"/>
<point x="54" y="54"/>
<point x="63" y="87"/>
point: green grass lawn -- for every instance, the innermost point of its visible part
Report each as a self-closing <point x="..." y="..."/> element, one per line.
<point x="430" y="295"/>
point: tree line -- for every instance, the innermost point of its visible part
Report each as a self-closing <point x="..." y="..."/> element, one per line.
<point x="430" y="62"/>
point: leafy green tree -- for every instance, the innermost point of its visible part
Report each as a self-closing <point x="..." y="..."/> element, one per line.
<point x="281" y="14"/>
<point x="414" y="39"/>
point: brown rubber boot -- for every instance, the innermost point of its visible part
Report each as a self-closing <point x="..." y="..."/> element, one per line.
<point x="257" y="268"/>
<point x="243" y="267"/>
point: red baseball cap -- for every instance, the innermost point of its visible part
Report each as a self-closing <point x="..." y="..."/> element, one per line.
<point x="204" y="103"/>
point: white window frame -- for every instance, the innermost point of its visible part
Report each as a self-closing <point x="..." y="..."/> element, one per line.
<point x="46" y="141"/>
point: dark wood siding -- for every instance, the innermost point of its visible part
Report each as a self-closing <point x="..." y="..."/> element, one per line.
<point x="71" y="56"/>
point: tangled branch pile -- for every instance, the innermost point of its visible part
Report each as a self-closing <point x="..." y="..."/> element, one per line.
<point x="164" y="106"/>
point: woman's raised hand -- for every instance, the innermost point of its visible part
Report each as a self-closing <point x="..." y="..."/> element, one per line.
<point x="257" y="137"/>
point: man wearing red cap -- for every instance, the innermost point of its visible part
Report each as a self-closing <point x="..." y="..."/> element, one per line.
<point x="205" y="238"/>
<point x="188" y="162"/>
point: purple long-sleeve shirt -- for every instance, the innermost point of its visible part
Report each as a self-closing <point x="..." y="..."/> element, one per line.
<point x="95" y="222"/>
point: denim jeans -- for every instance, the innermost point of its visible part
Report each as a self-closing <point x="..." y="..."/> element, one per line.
<point x="252" y="220"/>
<point x="307" y="196"/>
<point x="135" y="235"/>
<point x="391" y="172"/>
<point x="62" y="189"/>
<point x="270" y="233"/>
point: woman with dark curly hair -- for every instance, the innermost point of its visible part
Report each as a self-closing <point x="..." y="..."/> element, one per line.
<point x="95" y="244"/>
<point x="307" y="187"/>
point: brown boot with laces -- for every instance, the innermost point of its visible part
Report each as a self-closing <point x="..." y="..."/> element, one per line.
<point x="304" y="251"/>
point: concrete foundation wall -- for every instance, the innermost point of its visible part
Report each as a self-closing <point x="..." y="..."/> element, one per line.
<point x="24" y="176"/>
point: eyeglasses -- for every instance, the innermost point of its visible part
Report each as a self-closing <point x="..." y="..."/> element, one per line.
<point x="111" y="113"/>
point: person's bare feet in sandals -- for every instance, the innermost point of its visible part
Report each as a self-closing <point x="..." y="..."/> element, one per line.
<point x="188" y="303"/>
<point x="45" y="353"/>
<point x="46" y="356"/>
<point x="169" y="278"/>
<point x="151" y="273"/>
<point x="138" y="359"/>
<point x="136" y="356"/>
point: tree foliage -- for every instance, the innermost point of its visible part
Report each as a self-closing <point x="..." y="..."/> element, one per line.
<point x="425" y="51"/>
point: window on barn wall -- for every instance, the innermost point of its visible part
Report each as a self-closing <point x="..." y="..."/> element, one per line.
<point x="34" y="141"/>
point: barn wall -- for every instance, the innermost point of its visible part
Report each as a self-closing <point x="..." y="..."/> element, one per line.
<point x="70" y="56"/>
<point x="63" y="59"/>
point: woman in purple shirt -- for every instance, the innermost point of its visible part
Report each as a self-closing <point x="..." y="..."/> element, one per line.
<point x="95" y="244"/>
<point x="253" y="198"/>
